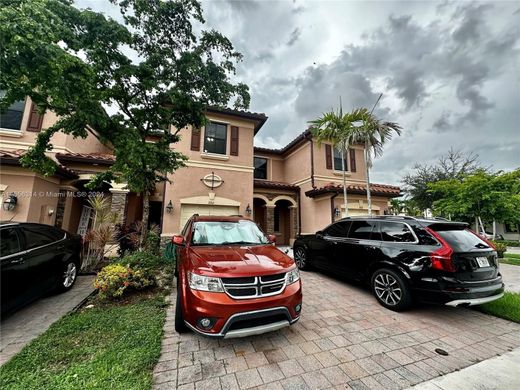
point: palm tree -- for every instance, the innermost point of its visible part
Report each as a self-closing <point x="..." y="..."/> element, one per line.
<point x="335" y="127"/>
<point x="373" y="133"/>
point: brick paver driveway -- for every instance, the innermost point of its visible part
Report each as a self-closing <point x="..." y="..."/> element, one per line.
<point x="344" y="339"/>
<point x="31" y="321"/>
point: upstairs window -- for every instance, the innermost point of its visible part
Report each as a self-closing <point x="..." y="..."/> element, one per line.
<point x="260" y="168"/>
<point x="215" y="138"/>
<point x="337" y="160"/>
<point x="11" y="118"/>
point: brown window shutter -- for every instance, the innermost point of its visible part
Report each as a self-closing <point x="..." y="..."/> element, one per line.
<point x="234" y="141"/>
<point x="352" y="160"/>
<point x="195" y="139"/>
<point x="328" y="156"/>
<point x="35" y="119"/>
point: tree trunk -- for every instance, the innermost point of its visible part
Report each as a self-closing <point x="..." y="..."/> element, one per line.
<point x="369" y="197"/>
<point x="344" y="180"/>
<point x="494" y="229"/>
<point x="476" y="225"/>
<point x="146" y="214"/>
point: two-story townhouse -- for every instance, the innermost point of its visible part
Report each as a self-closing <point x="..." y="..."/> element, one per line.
<point x="297" y="188"/>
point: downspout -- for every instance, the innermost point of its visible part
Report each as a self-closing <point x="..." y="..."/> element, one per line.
<point x="312" y="162"/>
<point x="299" y="212"/>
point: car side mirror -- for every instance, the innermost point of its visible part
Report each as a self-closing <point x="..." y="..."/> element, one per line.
<point x="178" y="240"/>
<point x="272" y="238"/>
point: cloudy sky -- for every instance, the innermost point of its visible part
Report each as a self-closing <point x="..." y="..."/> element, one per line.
<point x="449" y="71"/>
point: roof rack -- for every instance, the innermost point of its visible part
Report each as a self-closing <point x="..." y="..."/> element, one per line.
<point x="381" y="217"/>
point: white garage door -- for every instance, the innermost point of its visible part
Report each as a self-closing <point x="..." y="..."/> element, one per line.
<point x="187" y="210"/>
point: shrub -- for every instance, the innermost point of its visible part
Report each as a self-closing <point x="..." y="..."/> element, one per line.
<point x="510" y="243"/>
<point x="142" y="259"/>
<point x="115" y="279"/>
<point x="127" y="237"/>
<point x="501" y="248"/>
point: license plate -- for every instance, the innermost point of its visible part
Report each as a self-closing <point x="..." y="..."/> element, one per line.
<point x="483" y="261"/>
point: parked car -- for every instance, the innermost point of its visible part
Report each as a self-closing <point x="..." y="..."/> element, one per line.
<point x="35" y="259"/>
<point x="231" y="280"/>
<point x="406" y="258"/>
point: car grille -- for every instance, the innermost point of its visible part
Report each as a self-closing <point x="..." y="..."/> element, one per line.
<point x="254" y="286"/>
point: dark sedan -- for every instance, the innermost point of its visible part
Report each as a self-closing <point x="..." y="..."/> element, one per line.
<point x="406" y="258"/>
<point x="35" y="260"/>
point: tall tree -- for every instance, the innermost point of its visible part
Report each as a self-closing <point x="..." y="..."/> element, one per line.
<point x="335" y="127"/>
<point x="454" y="165"/>
<point x="127" y="83"/>
<point x="373" y="134"/>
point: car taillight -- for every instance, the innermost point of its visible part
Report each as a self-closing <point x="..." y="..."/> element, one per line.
<point x="441" y="258"/>
<point x="483" y="239"/>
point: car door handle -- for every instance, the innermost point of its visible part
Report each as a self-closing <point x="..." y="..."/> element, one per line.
<point x="18" y="261"/>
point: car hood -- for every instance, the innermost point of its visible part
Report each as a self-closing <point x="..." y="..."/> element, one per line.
<point x="236" y="260"/>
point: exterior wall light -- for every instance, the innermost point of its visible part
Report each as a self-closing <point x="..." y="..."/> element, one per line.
<point x="248" y="209"/>
<point x="10" y="202"/>
<point x="169" y="207"/>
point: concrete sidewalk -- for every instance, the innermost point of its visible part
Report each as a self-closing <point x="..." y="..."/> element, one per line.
<point x="496" y="373"/>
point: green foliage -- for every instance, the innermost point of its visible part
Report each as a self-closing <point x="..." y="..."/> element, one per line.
<point x="116" y="279"/>
<point x="108" y="346"/>
<point x="455" y="165"/>
<point x="490" y="196"/>
<point x="154" y="68"/>
<point x="501" y="248"/>
<point x="510" y="243"/>
<point x="507" y="307"/>
<point x="404" y="206"/>
<point x="142" y="260"/>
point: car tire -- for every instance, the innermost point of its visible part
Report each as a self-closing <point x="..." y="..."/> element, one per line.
<point x="301" y="258"/>
<point x="391" y="289"/>
<point x="68" y="276"/>
<point x="180" y="326"/>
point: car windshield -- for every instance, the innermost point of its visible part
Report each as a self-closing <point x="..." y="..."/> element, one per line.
<point x="226" y="233"/>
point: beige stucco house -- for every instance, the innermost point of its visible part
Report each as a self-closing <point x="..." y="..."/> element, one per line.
<point x="294" y="189"/>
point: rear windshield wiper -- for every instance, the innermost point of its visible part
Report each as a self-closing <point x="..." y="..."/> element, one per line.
<point x="480" y="245"/>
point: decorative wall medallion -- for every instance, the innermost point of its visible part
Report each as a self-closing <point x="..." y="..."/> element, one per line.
<point x="212" y="181"/>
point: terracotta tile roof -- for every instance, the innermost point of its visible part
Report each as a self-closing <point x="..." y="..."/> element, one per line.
<point x="375" y="189"/>
<point x="260" y="117"/>
<point x="301" y="137"/>
<point x="258" y="183"/>
<point x="12" y="157"/>
<point x="93" y="158"/>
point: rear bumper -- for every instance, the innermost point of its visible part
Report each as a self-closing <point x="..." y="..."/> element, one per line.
<point x="474" y="301"/>
<point x="229" y="314"/>
<point x="447" y="291"/>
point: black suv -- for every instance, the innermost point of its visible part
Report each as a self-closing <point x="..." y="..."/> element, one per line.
<point x="406" y="258"/>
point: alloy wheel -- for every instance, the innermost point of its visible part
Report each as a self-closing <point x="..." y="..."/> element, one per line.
<point x="388" y="289"/>
<point x="69" y="276"/>
<point x="300" y="257"/>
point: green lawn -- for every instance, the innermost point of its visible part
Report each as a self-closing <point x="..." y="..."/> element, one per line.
<point x="510" y="260"/>
<point x="110" y="346"/>
<point x="507" y="307"/>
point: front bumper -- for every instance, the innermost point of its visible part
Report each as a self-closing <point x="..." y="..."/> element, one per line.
<point x="228" y="313"/>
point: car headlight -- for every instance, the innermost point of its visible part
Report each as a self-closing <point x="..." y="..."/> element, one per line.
<point x="205" y="283"/>
<point x="292" y="276"/>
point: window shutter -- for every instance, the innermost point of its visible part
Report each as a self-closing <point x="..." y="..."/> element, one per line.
<point x="195" y="139"/>
<point x="234" y="141"/>
<point x="35" y="119"/>
<point x="328" y="156"/>
<point x="352" y="160"/>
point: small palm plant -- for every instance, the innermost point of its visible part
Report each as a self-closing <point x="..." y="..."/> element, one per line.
<point x="100" y="234"/>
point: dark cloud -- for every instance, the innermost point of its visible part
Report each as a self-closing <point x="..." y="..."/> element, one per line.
<point x="295" y="35"/>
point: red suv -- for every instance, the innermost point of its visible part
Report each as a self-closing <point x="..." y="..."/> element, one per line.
<point x="231" y="280"/>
